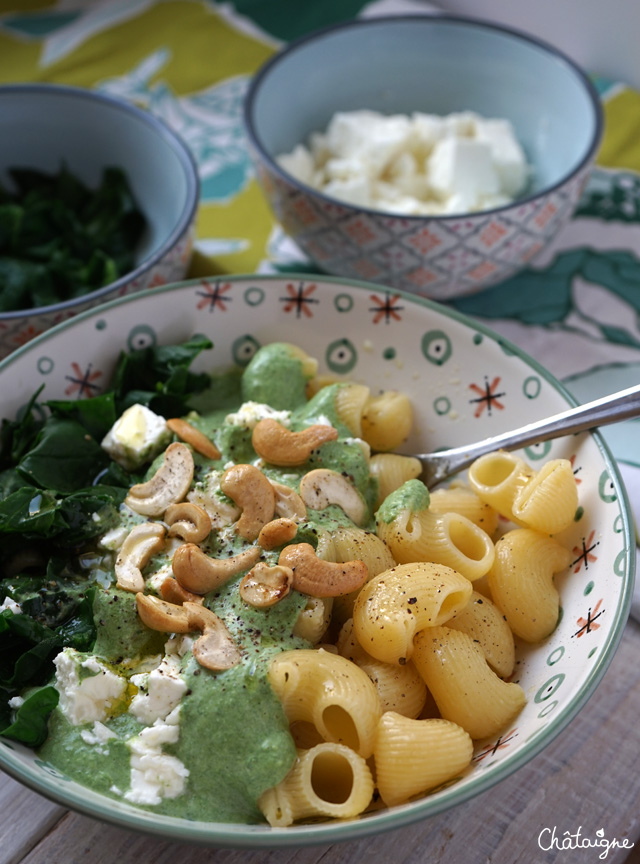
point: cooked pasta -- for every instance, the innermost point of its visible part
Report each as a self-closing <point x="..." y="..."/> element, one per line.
<point x="391" y="470"/>
<point x="398" y="603"/>
<point x="415" y="756"/>
<point x="400" y="688"/>
<point x="329" y="691"/>
<point x="413" y="532"/>
<point x="521" y="581"/>
<point x="350" y="400"/>
<point x="545" y="500"/>
<point x="328" y="780"/>
<point x="387" y="420"/>
<point x="350" y="544"/>
<point x="484" y="622"/>
<point x="465" y="688"/>
<point x="314" y="619"/>
<point x="463" y="500"/>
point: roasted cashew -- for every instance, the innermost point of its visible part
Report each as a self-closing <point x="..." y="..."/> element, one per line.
<point x="215" y="649"/>
<point x="319" y="578"/>
<point x="288" y="503"/>
<point x="250" y="490"/>
<point x="168" y="485"/>
<point x="173" y="592"/>
<point x="161" y="615"/>
<point x="277" y="533"/>
<point x="142" y="542"/>
<point x="198" y="572"/>
<point x="190" y="435"/>
<point x="265" y="586"/>
<point x="280" y="446"/>
<point x="188" y="521"/>
<point x="322" y="486"/>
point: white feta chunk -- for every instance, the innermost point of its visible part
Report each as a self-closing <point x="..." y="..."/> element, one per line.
<point x="88" y="689"/>
<point x="159" y="691"/>
<point x="507" y="154"/>
<point x="136" y="437"/>
<point x="299" y="163"/>
<point x="462" y="168"/>
<point x="11" y="605"/>
<point x="156" y="775"/>
<point x="250" y="413"/>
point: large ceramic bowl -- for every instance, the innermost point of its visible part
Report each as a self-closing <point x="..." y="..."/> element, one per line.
<point x="44" y="126"/>
<point x="465" y="383"/>
<point x="437" y="65"/>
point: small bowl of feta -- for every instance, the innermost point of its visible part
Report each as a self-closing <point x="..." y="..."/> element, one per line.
<point x="433" y="154"/>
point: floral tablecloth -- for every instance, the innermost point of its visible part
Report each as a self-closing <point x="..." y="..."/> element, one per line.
<point x="576" y="308"/>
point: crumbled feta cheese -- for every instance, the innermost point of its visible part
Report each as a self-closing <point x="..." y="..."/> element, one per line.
<point x="250" y="413"/>
<point x="11" y="605"/>
<point x="100" y="734"/>
<point x="114" y="538"/>
<point x="16" y="702"/>
<point x="136" y="437"/>
<point x="85" y="698"/>
<point x="156" y="775"/>
<point x="422" y="164"/>
<point x="159" y="691"/>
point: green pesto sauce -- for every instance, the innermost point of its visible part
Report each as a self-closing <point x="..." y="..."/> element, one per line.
<point x="412" y="495"/>
<point x="234" y="737"/>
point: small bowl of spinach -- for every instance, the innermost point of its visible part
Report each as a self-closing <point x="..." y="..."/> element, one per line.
<point x="97" y="199"/>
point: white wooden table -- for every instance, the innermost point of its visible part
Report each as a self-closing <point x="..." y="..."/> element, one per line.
<point x="588" y="779"/>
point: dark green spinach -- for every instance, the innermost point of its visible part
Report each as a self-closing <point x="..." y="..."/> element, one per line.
<point x="60" y="239"/>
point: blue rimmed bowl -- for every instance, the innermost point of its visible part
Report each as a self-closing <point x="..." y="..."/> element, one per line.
<point x="465" y="383"/>
<point x="43" y="126"/>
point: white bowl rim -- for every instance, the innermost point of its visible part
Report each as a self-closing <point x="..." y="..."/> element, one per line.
<point x="549" y="49"/>
<point x="242" y="836"/>
<point x="174" y="141"/>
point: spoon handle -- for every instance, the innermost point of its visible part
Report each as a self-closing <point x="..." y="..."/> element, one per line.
<point x="610" y="409"/>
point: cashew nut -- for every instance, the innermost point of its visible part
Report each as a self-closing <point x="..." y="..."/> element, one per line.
<point x="160" y="615"/>
<point x="319" y="578"/>
<point x="142" y="542"/>
<point x="322" y="486"/>
<point x="250" y="490"/>
<point x="198" y="572"/>
<point x="190" y="435"/>
<point x="280" y="446"/>
<point x="188" y="521"/>
<point x="168" y="485"/>
<point x="265" y="586"/>
<point x="215" y="649"/>
<point x="277" y="533"/>
<point x="288" y="503"/>
<point x="173" y="592"/>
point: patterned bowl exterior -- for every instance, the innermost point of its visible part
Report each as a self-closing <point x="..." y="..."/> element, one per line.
<point x="438" y="257"/>
<point x="17" y="330"/>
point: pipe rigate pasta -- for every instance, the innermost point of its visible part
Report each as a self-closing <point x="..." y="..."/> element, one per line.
<point x="484" y="622"/>
<point x="415" y="756"/>
<point x="414" y="532"/>
<point x="521" y="581"/>
<point x="387" y="420"/>
<point x="329" y="691"/>
<point x="350" y="400"/>
<point x="391" y="470"/>
<point x="398" y="603"/>
<point x="545" y="500"/>
<point x="356" y="544"/>
<point x="467" y="691"/>
<point x="313" y="621"/>
<point x="329" y="780"/>
<point x="463" y="500"/>
<point x="400" y="688"/>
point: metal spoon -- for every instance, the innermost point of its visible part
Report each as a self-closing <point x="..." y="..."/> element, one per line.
<point x="436" y="467"/>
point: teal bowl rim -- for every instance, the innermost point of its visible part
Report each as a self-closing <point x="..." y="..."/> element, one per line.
<point x="175" y="142"/>
<point x="432" y="19"/>
<point x="242" y="836"/>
